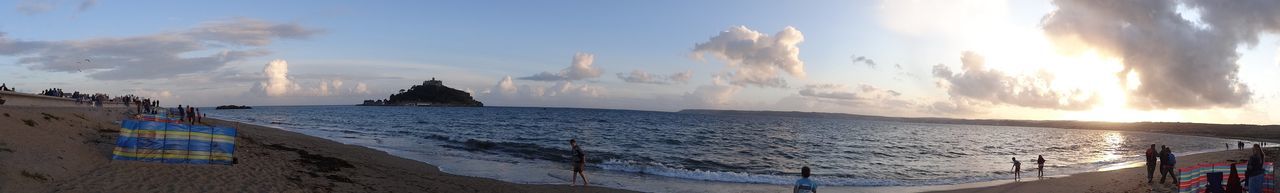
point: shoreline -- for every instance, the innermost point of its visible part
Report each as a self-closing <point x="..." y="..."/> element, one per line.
<point x="634" y="181"/>
<point x="67" y="149"/>
<point x="1127" y="179"/>
<point x="280" y="160"/>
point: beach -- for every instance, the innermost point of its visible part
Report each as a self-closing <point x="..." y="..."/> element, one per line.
<point x="1120" y="180"/>
<point x="68" y="149"/>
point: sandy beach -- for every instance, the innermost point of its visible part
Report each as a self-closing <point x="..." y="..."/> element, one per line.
<point x="45" y="149"/>
<point x="1121" y="180"/>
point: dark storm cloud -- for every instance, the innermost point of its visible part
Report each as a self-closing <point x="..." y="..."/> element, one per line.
<point x="1180" y="64"/>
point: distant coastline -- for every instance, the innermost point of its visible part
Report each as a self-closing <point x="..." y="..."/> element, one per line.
<point x="1234" y="131"/>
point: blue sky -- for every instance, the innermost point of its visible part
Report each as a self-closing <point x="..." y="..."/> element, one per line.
<point x="341" y="52"/>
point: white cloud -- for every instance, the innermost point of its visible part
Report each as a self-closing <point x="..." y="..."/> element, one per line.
<point x="278" y="82"/>
<point x="719" y="93"/>
<point x="361" y="88"/>
<point x="581" y="68"/>
<point x="507" y="92"/>
<point x="162" y="55"/>
<point x="756" y="58"/>
<point x="977" y="82"/>
<point x="831" y="91"/>
<point x="637" y="76"/>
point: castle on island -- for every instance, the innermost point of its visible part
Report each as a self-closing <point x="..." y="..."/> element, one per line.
<point x="431" y="93"/>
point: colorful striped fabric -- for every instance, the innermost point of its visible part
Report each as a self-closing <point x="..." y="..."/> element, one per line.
<point x="1193" y="178"/>
<point x="152" y="141"/>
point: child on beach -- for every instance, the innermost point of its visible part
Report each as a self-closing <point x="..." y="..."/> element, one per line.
<point x="804" y="185"/>
<point x="580" y="160"/>
<point x="1017" y="169"/>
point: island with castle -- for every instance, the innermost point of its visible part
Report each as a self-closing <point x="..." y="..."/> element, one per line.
<point x="431" y="93"/>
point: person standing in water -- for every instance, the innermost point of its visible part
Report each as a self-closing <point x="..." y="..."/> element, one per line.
<point x="804" y="185"/>
<point x="579" y="160"/>
<point x="1040" y="166"/>
<point x="1151" y="161"/>
<point x="1017" y="169"/>
<point x="1254" y="172"/>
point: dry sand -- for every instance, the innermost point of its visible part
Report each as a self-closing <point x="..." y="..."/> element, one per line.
<point x="69" y="149"/>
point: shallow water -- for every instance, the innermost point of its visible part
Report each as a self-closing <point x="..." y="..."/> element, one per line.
<point x="735" y="149"/>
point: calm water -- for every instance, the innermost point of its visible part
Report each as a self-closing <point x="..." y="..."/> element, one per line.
<point x="747" y="149"/>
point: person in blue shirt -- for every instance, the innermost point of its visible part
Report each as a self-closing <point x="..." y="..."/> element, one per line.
<point x="804" y="185"/>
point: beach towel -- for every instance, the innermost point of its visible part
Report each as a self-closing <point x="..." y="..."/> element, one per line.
<point x="1193" y="179"/>
<point x="164" y="142"/>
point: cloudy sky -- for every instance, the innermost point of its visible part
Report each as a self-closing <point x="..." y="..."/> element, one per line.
<point x="1139" y="60"/>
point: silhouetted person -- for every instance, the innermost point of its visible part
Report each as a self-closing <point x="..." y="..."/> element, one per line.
<point x="804" y="185"/>
<point x="1040" y="166"/>
<point x="579" y="161"/>
<point x="1239" y="144"/>
<point x="1233" y="181"/>
<point x="1151" y="161"/>
<point x="1017" y="169"/>
<point x="1167" y="161"/>
<point x="1254" y="174"/>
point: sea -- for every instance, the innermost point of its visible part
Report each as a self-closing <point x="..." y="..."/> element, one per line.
<point x="640" y="149"/>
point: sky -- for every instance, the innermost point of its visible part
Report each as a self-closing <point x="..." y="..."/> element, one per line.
<point x="1140" y="60"/>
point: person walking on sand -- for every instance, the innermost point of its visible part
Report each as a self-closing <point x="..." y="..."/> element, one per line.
<point x="579" y="160"/>
<point x="804" y="185"/>
<point x="1239" y="144"/>
<point x="1017" y="169"/>
<point x="1040" y="166"/>
<point x="1253" y="175"/>
<point x="1167" y="164"/>
<point x="1160" y="160"/>
<point x="1151" y="161"/>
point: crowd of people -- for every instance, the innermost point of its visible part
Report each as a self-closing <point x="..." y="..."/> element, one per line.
<point x="1254" y="175"/>
<point x="188" y="114"/>
<point x="1162" y="159"/>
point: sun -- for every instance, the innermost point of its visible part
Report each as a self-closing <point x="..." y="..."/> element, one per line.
<point x="1070" y="69"/>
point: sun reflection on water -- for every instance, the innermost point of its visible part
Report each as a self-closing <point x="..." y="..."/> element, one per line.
<point x="1112" y="144"/>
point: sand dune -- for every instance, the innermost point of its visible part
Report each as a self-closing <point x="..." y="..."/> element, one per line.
<point x="68" y="150"/>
